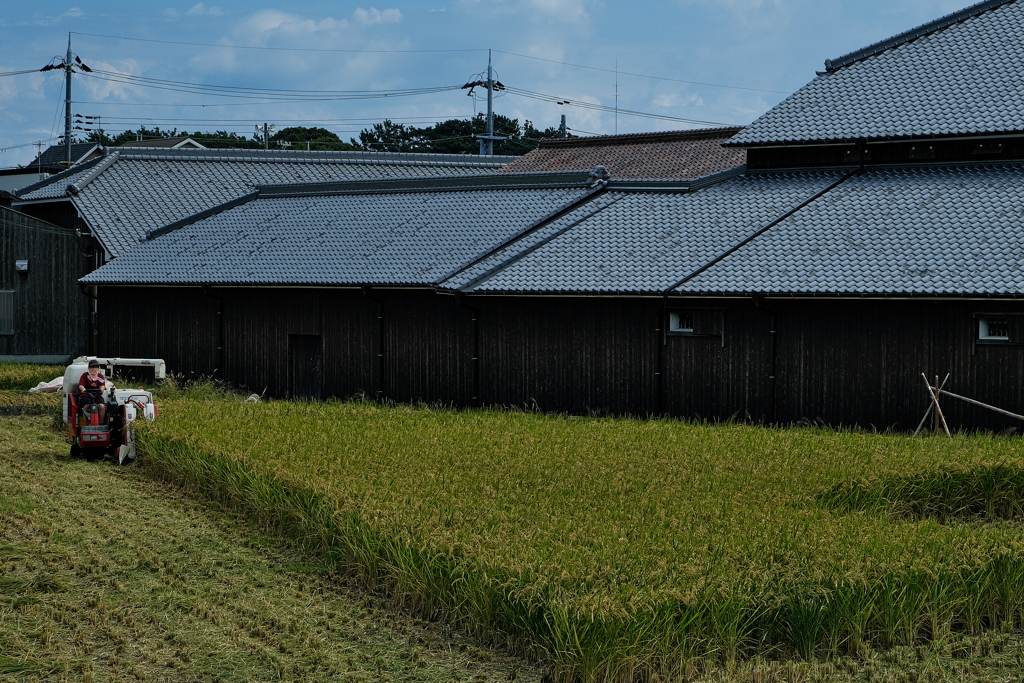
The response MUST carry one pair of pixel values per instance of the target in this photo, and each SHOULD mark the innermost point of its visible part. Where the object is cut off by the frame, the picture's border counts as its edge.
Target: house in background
(52, 160)
(179, 142)
(676, 155)
(874, 235)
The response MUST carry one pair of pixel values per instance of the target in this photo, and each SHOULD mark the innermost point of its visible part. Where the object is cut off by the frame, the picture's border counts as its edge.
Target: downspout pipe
(460, 299)
(207, 290)
(381, 392)
(89, 291)
(773, 356)
(661, 334)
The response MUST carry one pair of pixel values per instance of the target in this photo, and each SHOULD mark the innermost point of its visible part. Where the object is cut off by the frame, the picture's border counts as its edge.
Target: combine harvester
(100, 423)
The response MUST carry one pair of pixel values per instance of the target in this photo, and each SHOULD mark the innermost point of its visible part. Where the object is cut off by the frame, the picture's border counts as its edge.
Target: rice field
(621, 550)
(23, 376)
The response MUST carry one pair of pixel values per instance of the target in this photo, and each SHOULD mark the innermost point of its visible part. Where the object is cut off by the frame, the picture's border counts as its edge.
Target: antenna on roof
(267, 130)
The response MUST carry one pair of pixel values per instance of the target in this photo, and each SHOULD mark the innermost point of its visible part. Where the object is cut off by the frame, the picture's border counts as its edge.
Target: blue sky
(680, 61)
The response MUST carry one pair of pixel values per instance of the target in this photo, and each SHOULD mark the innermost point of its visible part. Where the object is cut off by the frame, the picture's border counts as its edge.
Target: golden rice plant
(24, 376)
(620, 549)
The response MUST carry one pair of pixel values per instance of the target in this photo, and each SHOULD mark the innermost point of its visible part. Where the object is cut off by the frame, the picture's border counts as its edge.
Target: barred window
(697, 322)
(6, 312)
(994, 328)
(681, 322)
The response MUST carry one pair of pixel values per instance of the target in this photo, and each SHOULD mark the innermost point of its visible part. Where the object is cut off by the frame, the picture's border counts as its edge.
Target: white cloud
(265, 24)
(676, 100)
(100, 90)
(375, 16)
(565, 9)
(200, 9)
(73, 13)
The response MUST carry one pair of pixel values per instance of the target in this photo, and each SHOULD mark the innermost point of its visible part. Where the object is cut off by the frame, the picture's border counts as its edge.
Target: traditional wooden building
(38, 276)
(874, 235)
(110, 200)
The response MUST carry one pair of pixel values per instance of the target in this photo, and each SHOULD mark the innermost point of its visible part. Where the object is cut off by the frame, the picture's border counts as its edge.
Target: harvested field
(107, 575)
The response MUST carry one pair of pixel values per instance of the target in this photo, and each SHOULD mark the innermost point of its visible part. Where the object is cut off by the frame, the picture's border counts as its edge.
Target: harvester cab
(100, 420)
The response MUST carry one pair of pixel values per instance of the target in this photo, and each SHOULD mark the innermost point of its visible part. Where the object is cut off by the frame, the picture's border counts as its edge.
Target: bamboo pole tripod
(935, 410)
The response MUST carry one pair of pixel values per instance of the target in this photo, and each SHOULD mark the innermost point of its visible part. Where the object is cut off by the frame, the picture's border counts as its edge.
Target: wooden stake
(983, 405)
(934, 393)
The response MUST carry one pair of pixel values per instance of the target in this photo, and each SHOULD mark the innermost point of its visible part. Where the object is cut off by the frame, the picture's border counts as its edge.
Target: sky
(617, 66)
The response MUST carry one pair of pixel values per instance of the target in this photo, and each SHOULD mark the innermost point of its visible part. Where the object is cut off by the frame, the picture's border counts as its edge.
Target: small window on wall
(994, 328)
(680, 322)
(6, 312)
(697, 322)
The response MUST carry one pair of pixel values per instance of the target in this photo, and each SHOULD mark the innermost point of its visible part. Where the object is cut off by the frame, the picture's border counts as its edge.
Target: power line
(261, 95)
(19, 73)
(600, 107)
(627, 73)
(464, 50)
(282, 49)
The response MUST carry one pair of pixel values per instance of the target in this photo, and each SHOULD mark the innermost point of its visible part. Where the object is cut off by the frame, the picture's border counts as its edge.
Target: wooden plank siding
(837, 361)
(51, 314)
(575, 355)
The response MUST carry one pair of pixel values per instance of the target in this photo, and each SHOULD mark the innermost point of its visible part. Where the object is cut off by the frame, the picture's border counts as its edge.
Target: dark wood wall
(52, 315)
(831, 361)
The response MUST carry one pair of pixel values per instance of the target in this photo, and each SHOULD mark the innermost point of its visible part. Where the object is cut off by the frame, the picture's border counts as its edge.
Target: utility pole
(67, 105)
(487, 140)
(267, 130)
(490, 105)
(562, 130)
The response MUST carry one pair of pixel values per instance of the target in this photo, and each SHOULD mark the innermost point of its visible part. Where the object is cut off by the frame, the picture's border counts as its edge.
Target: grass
(621, 549)
(108, 575)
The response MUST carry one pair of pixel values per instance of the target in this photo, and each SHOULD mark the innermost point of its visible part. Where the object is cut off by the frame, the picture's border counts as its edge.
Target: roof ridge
(308, 156)
(912, 34)
(101, 165)
(206, 213)
(634, 138)
(56, 177)
(539, 180)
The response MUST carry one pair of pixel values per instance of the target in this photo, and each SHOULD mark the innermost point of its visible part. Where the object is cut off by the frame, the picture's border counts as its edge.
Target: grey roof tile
(398, 238)
(932, 231)
(145, 189)
(641, 241)
(959, 75)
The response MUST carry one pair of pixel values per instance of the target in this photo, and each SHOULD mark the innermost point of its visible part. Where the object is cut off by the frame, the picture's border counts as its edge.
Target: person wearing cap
(91, 386)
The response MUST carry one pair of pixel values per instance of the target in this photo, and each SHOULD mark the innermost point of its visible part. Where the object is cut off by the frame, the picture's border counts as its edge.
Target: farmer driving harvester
(90, 390)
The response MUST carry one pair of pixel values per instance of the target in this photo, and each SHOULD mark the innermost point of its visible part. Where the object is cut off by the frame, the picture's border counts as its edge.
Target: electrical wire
(464, 50)
(627, 73)
(282, 49)
(605, 108)
(263, 96)
(19, 73)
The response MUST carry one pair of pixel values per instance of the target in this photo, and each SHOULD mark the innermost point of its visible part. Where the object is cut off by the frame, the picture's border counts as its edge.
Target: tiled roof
(164, 142)
(642, 241)
(137, 189)
(56, 155)
(931, 230)
(671, 155)
(958, 75)
(297, 236)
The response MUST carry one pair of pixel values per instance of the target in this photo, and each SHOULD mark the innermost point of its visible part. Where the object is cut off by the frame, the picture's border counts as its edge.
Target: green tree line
(454, 136)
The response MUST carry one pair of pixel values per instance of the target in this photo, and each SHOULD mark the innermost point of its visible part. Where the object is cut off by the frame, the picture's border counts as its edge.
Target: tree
(222, 139)
(309, 138)
(454, 136)
(388, 136)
